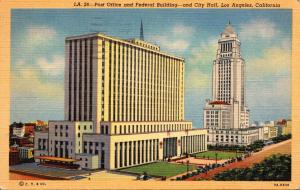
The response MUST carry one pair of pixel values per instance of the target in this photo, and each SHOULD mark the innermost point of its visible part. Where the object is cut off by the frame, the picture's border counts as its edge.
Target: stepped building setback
(226, 116)
(124, 105)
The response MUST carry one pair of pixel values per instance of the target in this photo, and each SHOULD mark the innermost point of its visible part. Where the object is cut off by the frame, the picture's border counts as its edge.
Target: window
(78, 135)
(55, 126)
(61, 127)
(67, 134)
(85, 127)
(91, 127)
(56, 134)
(84, 147)
(78, 127)
(67, 127)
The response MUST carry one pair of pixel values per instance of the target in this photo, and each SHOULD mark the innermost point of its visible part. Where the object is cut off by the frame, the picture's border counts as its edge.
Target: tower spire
(141, 31)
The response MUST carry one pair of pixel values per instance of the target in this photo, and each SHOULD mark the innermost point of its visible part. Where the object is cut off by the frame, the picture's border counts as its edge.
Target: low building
(288, 128)
(29, 128)
(25, 153)
(19, 131)
(88, 161)
(241, 137)
(270, 130)
(21, 141)
(218, 120)
(14, 155)
(283, 127)
(119, 144)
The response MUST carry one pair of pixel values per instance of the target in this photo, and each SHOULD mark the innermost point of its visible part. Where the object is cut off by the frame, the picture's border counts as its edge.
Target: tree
(274, 168)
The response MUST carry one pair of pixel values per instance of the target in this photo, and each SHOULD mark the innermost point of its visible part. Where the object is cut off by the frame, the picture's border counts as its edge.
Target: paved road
(283, 147)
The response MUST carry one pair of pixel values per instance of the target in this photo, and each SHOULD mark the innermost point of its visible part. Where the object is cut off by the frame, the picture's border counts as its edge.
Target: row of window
(129, 129)
(61, 134)
(135, 57)
(67, 127)
(136, 152)
(212, 112)
(226, 54)
(92, 147)
(75, 78)
(191, 144)
(61, 127)
(42, 144)
(226, 47)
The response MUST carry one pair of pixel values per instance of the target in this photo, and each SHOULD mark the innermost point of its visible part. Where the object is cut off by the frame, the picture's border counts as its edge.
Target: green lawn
(221, 154)
(160, 169)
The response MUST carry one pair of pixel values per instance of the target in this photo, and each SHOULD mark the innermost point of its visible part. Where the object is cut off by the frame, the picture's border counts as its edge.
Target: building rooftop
(132, 42)
(229, 31)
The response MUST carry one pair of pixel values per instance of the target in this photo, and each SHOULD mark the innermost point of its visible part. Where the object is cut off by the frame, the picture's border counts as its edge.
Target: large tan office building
(109, 79)
(133, 94)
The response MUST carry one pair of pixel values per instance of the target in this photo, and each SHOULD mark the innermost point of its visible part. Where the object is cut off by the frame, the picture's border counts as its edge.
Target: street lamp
(216, 157)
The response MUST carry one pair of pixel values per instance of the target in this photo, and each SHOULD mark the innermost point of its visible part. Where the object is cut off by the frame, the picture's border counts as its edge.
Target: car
(143, 177)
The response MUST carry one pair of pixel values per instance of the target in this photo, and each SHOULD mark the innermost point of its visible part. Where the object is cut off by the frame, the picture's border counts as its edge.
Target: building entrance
(169, 147)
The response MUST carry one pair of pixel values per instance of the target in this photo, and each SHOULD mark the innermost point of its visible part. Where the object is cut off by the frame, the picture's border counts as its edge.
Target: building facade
(25, 153)
(227, 111)
(19, 131)
(132, 96)
(283, 127)
(109, 79)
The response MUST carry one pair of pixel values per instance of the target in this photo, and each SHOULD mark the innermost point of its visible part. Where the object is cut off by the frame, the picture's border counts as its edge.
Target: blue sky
(37, 57)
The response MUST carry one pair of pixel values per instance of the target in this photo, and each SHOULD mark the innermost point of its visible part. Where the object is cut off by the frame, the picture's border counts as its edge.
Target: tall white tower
(227, 109)
(229, 69)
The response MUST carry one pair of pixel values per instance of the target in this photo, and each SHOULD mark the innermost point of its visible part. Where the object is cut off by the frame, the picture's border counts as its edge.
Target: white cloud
(180, 29)
(39, 78)
(36, 35)
(177, 38)
(258, 28)
(269, 95)
(28, 83)
(53, 67)
(177, 45)
(274, 62)
(199, 65)
(204, 52)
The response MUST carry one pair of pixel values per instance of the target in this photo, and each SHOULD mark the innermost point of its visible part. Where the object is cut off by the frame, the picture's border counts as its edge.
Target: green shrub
(274, 168)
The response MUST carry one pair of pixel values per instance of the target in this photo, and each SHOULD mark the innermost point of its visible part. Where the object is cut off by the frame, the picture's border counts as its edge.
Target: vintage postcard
(150, 94)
